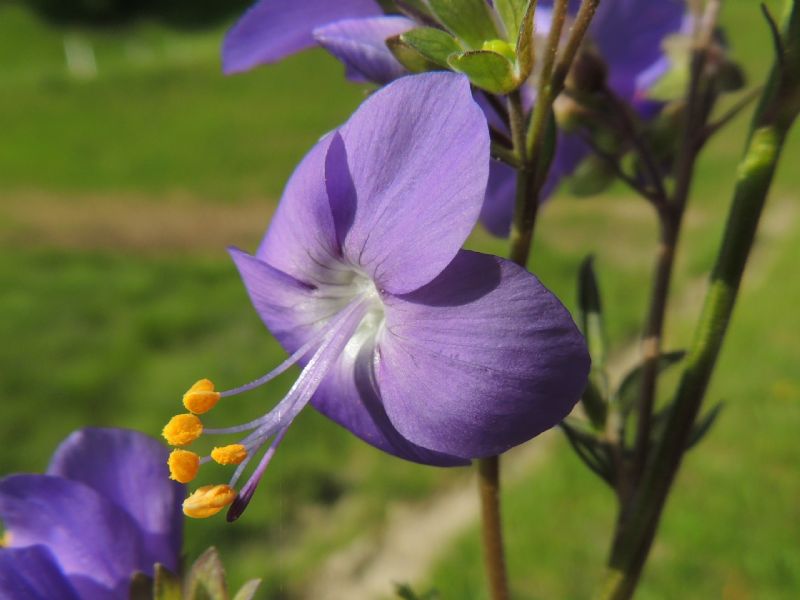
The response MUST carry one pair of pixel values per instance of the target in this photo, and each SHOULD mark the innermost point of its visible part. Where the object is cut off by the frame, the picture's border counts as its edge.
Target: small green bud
(500, 47)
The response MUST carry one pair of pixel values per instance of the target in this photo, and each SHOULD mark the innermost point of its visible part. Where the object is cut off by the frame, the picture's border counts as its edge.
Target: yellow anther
(201, 397)
(229, 455)
(182, 430)
(183, 465)
(208, 501)
(5, 539)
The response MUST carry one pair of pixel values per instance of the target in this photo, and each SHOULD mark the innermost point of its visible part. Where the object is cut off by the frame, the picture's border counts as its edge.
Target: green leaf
(248, 590)
(406, 592)
(434, 44)
(629, 389)
(592, 176)
(409, 57)
(595, 404)
(167, 585)
(526, 41)
(469, 20)
(206, 580)
(512, 13)
(590, 306)
(594, 452)
(487, 70)
(704, 425)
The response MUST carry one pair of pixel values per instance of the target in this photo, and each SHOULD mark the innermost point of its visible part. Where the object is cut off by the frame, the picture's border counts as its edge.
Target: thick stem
(492, 528)
(777, 112)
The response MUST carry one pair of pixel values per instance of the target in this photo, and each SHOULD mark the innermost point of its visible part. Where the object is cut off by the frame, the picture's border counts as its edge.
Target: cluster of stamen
(186, 428)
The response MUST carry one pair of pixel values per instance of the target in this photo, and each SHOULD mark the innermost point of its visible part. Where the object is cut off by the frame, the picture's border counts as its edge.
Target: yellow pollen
(201, 397)
(229, 455)
(208, 501)
(5, 540)
(183, 465)
(182, 430)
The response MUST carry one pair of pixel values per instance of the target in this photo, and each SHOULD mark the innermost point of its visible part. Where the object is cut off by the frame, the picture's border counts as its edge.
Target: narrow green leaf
(167, 585)
(206, 579)
(592, 451)
(629, 389)
(704, 425)
(248, 590)
(590, 306)
(409, 57)
(512, 13)
(526, 42)
(469, 20)
(434, 44)
(487, 70)
(595, 404)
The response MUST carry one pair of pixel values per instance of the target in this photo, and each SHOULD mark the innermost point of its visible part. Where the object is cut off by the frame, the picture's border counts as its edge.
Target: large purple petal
(286, 305)
(95, 542)
(482, 358)
(349, 397)
(630, 35)
(418, 156)
(129, 469)
(273, 29)
(301, 240)
(32, 574)
(361, 45)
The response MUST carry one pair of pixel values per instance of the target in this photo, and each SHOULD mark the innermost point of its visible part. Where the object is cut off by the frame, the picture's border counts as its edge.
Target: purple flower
(424, 350)
(628, 33)
(103, 512)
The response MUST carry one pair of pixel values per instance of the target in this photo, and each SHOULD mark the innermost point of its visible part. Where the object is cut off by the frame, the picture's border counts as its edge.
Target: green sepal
(409, 57)
(512, 13)
(594, 452)
(526, 42)
(469, 20)
(248, 590)
(433, 44)
(141, 587)
(591, 177)
(487, 70)
(166, 585)
(206, 579)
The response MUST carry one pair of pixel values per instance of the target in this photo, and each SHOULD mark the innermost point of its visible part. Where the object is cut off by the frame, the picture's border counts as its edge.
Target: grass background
(118, 194)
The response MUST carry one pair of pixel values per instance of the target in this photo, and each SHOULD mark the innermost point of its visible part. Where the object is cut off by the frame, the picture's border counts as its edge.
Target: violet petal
(418, 157)
(273, 29)
(361, 45)
(481, 359)
(31, 573)
(96, 543)
(129, 469)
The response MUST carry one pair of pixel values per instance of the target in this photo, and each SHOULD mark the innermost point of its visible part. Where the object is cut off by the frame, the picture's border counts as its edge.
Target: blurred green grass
(94, 333)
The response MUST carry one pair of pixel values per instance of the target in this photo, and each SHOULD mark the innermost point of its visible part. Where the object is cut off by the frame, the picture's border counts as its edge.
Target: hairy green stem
(777, 112)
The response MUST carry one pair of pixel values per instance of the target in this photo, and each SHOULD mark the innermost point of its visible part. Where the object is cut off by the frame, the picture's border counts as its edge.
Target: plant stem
(671, 219)
(777, 112)
(492, 528)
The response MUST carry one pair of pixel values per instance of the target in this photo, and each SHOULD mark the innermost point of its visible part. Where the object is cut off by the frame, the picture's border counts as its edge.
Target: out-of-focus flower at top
(424, 350)
(629, 35)
(103, 512)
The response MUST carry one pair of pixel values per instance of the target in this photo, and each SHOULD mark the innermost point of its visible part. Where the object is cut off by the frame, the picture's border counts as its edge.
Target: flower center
(357, 317)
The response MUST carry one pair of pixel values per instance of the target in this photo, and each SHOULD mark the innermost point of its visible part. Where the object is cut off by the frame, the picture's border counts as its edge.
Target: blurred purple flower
(104, 511)
(426, 351)
(628, 33)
